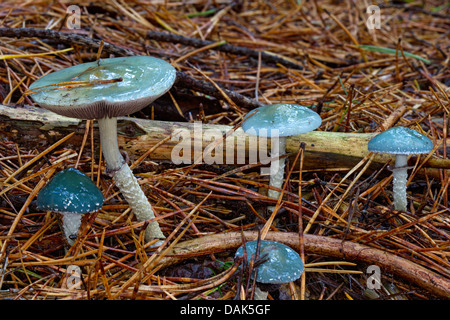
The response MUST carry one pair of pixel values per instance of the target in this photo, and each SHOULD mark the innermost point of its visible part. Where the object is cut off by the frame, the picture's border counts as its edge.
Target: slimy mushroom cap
(283, 264)
(118, 86)
(70, 191)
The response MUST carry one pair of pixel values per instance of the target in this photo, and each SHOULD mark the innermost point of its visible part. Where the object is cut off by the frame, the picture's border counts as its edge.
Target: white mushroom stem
(124, 178)
(400, 177)
(277, 169)
(71, 224)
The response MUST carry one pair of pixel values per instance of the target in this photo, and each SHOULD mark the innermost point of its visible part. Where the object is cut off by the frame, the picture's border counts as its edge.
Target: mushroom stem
(71, 225)
(400, 177)
(110, 146)
(124, 178)
(277, 169)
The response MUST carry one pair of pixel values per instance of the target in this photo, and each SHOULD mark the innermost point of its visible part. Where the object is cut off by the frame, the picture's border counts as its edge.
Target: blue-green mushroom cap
(400, 140)
(283, 264)
(281, 119)
(134, 82)
(70, 191)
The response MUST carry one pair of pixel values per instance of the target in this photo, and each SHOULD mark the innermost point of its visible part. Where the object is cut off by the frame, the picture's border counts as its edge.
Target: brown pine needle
(71, 85)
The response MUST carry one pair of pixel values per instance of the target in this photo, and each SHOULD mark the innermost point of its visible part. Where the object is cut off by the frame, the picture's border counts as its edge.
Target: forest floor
(361, 72)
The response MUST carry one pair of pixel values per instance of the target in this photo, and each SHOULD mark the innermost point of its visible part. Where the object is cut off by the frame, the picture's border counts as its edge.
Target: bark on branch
(227, 48)
(313, 244)
(324, 150)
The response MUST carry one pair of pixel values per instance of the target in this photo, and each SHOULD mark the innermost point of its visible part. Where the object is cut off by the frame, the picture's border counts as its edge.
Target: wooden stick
(351, 251)
(323, 151)
(225, 47)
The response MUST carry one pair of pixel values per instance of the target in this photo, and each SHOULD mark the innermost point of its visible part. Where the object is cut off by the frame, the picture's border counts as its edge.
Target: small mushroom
(280, 120)
(110, 88)
(72, 194)
(283, 264)
(401, 142)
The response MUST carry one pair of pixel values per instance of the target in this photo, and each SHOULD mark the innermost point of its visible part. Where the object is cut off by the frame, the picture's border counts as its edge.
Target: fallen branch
(67, 38)
(351, 251)
(324, 150)
(227, 48)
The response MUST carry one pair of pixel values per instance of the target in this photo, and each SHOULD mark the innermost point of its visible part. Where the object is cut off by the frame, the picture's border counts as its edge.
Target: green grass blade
(392, 51)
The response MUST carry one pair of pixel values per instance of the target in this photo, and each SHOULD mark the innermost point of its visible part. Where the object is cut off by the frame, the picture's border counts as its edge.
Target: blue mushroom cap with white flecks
(400, 140)
(70, 191)
(281, 119)
(283, 264)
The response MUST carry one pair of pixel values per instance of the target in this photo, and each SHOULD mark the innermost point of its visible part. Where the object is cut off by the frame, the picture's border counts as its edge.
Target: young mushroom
(401, 142)
(105, 90)
(72, 194)
(280, 120)
(283, 264)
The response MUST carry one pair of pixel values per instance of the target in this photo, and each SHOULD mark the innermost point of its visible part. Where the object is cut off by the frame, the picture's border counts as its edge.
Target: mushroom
(72, 194)
(283, 264)
(104, 90)
(401, 142)
(280, 120)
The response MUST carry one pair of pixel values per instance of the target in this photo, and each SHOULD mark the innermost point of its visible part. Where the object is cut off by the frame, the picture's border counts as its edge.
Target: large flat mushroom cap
(400, 140)
(281, 120)
(138, 80)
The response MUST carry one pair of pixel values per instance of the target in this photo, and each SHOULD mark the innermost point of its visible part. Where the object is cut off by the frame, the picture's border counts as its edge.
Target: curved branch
(227, 48)
(67, 38)
(388, 262)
